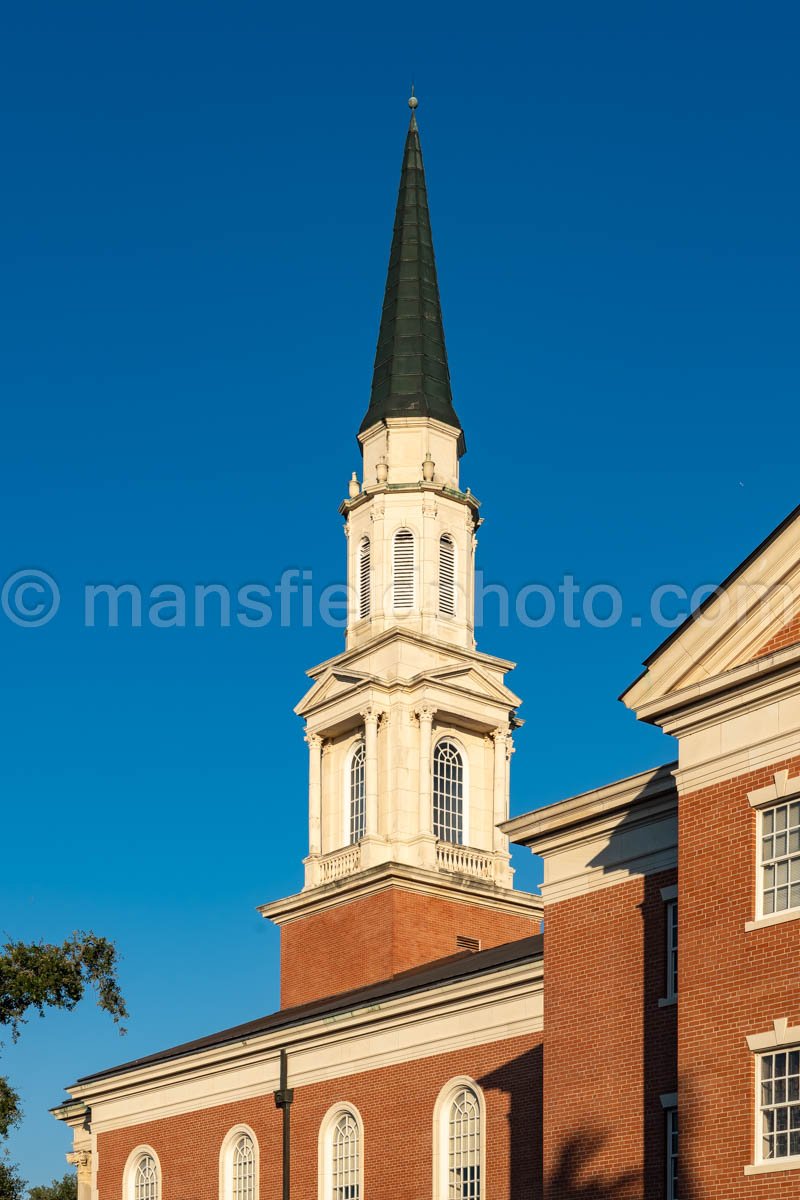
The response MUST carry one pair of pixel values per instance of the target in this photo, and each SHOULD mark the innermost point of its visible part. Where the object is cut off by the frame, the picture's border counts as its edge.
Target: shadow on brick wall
(521, 1081)
(573, 1177)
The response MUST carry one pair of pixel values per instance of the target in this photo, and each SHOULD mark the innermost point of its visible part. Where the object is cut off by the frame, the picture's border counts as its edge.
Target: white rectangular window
(671, 1115)
(779, 1104)
(780, 858)
(671, 908)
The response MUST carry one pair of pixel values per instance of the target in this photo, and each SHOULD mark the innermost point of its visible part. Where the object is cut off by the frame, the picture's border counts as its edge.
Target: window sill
(774, 919)
(769, 1168)
(667, 1001)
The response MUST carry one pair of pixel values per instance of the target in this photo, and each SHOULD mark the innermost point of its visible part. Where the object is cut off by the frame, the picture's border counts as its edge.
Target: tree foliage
(35, 976)
(65, 1188)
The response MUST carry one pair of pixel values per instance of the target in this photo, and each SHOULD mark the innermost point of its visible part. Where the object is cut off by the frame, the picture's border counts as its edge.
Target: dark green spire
(411, 377)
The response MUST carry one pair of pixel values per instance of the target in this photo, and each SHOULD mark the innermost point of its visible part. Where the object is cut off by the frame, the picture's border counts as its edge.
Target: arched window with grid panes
(357, 794)
(447, 575)
(142, 1175)
(459, 1142)
(341, 1167)
(403, 568)
(448, 792)
(238, 1165)
(364, 583)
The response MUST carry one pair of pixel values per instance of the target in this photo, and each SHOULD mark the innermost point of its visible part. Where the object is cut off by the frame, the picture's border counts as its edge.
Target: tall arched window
(447, 575)
(238, 1165)
(145, 1178)
(243, 1164)
(459, 1142)
(341, 1167)
(403, 569)
(448, 792)
(364, 578)
(141, 1178)
(357, 814)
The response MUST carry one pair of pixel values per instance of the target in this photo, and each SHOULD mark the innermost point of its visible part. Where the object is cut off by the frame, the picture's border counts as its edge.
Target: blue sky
(194, 228)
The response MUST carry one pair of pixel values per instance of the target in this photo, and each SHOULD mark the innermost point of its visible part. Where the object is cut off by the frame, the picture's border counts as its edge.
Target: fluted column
(371, 716)
(314, 794)
(425, 716)
(500, 805)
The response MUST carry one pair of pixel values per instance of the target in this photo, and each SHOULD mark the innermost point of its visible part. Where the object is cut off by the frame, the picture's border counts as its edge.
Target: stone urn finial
(354, 487)
(428, 468)
(382, 472)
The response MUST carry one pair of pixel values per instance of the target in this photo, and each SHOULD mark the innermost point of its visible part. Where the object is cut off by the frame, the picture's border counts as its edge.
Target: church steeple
(411, 377)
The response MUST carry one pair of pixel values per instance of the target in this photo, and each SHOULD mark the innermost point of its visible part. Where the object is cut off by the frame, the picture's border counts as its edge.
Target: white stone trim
(721, 768)
(781, 788)
(325, 1148)
(225, 1161)
(790, 914)
(782, 1034)
(492, 1007)
(441, 1130)
(771, 1168)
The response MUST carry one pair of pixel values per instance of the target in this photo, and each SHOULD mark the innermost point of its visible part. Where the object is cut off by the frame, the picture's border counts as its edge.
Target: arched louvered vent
(364, 579)
(447, 576)
(403, 569)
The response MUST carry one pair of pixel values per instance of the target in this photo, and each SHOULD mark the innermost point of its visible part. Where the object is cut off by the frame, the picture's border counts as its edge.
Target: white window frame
(129, 1172)
(782, 1037)
(441, 1135)
(226, 1161)
(346, 797)
(447, 536)
(782, 790)
(404, 608)
(325, 1148)
(444, 736)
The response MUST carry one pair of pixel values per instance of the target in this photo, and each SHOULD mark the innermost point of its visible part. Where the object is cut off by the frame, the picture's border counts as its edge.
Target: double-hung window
(779, 1104)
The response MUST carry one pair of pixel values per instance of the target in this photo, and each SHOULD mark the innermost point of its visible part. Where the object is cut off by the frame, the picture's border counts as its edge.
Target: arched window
(145, 1179)
(357, 813)
(340, 1146)
(447, 575)
(238, 1165)
(142, 1175)
(403, 569)
(364, 578)
(459, 1142)
(448, 792)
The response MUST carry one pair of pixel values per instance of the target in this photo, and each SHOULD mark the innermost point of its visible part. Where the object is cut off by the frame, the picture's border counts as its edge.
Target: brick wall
(609, 1050)
(783, 638)
(732, 984)
(373, 938)
(396, 1104)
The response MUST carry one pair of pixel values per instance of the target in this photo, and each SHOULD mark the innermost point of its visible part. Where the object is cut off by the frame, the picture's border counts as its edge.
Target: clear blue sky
(194, 227)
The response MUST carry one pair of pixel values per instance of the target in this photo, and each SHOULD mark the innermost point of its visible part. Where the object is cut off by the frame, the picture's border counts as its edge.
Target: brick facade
(396, 930)
(610, 1050)
(396, 1105)
(733, 984)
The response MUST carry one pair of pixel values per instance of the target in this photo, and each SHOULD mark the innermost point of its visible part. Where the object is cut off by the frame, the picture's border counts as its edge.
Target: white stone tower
(409, 729)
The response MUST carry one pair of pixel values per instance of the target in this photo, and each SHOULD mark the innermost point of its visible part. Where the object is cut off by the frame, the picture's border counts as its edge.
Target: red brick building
(432, 1041)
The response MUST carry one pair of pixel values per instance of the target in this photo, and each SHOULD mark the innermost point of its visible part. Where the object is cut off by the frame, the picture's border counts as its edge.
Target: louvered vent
(364, 581)
(447, 576)
(467, 943)
(403, 569)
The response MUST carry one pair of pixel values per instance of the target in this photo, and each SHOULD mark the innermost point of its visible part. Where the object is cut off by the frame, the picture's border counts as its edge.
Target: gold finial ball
(412, 102)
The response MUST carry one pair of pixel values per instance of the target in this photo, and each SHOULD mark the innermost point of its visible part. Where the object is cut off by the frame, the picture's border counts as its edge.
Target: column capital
(313, 740)
(82, 1160)
(371, 714)
(425, 712)
(501, 734)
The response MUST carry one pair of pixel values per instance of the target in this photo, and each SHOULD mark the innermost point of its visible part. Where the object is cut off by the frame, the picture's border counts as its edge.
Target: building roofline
(420, 979)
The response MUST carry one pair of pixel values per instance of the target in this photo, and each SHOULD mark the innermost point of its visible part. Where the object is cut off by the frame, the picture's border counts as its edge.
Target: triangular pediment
(753, 613)
(468, 678)
(330, 685)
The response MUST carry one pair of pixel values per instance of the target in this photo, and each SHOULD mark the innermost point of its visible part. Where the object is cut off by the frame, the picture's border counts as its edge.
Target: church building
(443, 1035)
